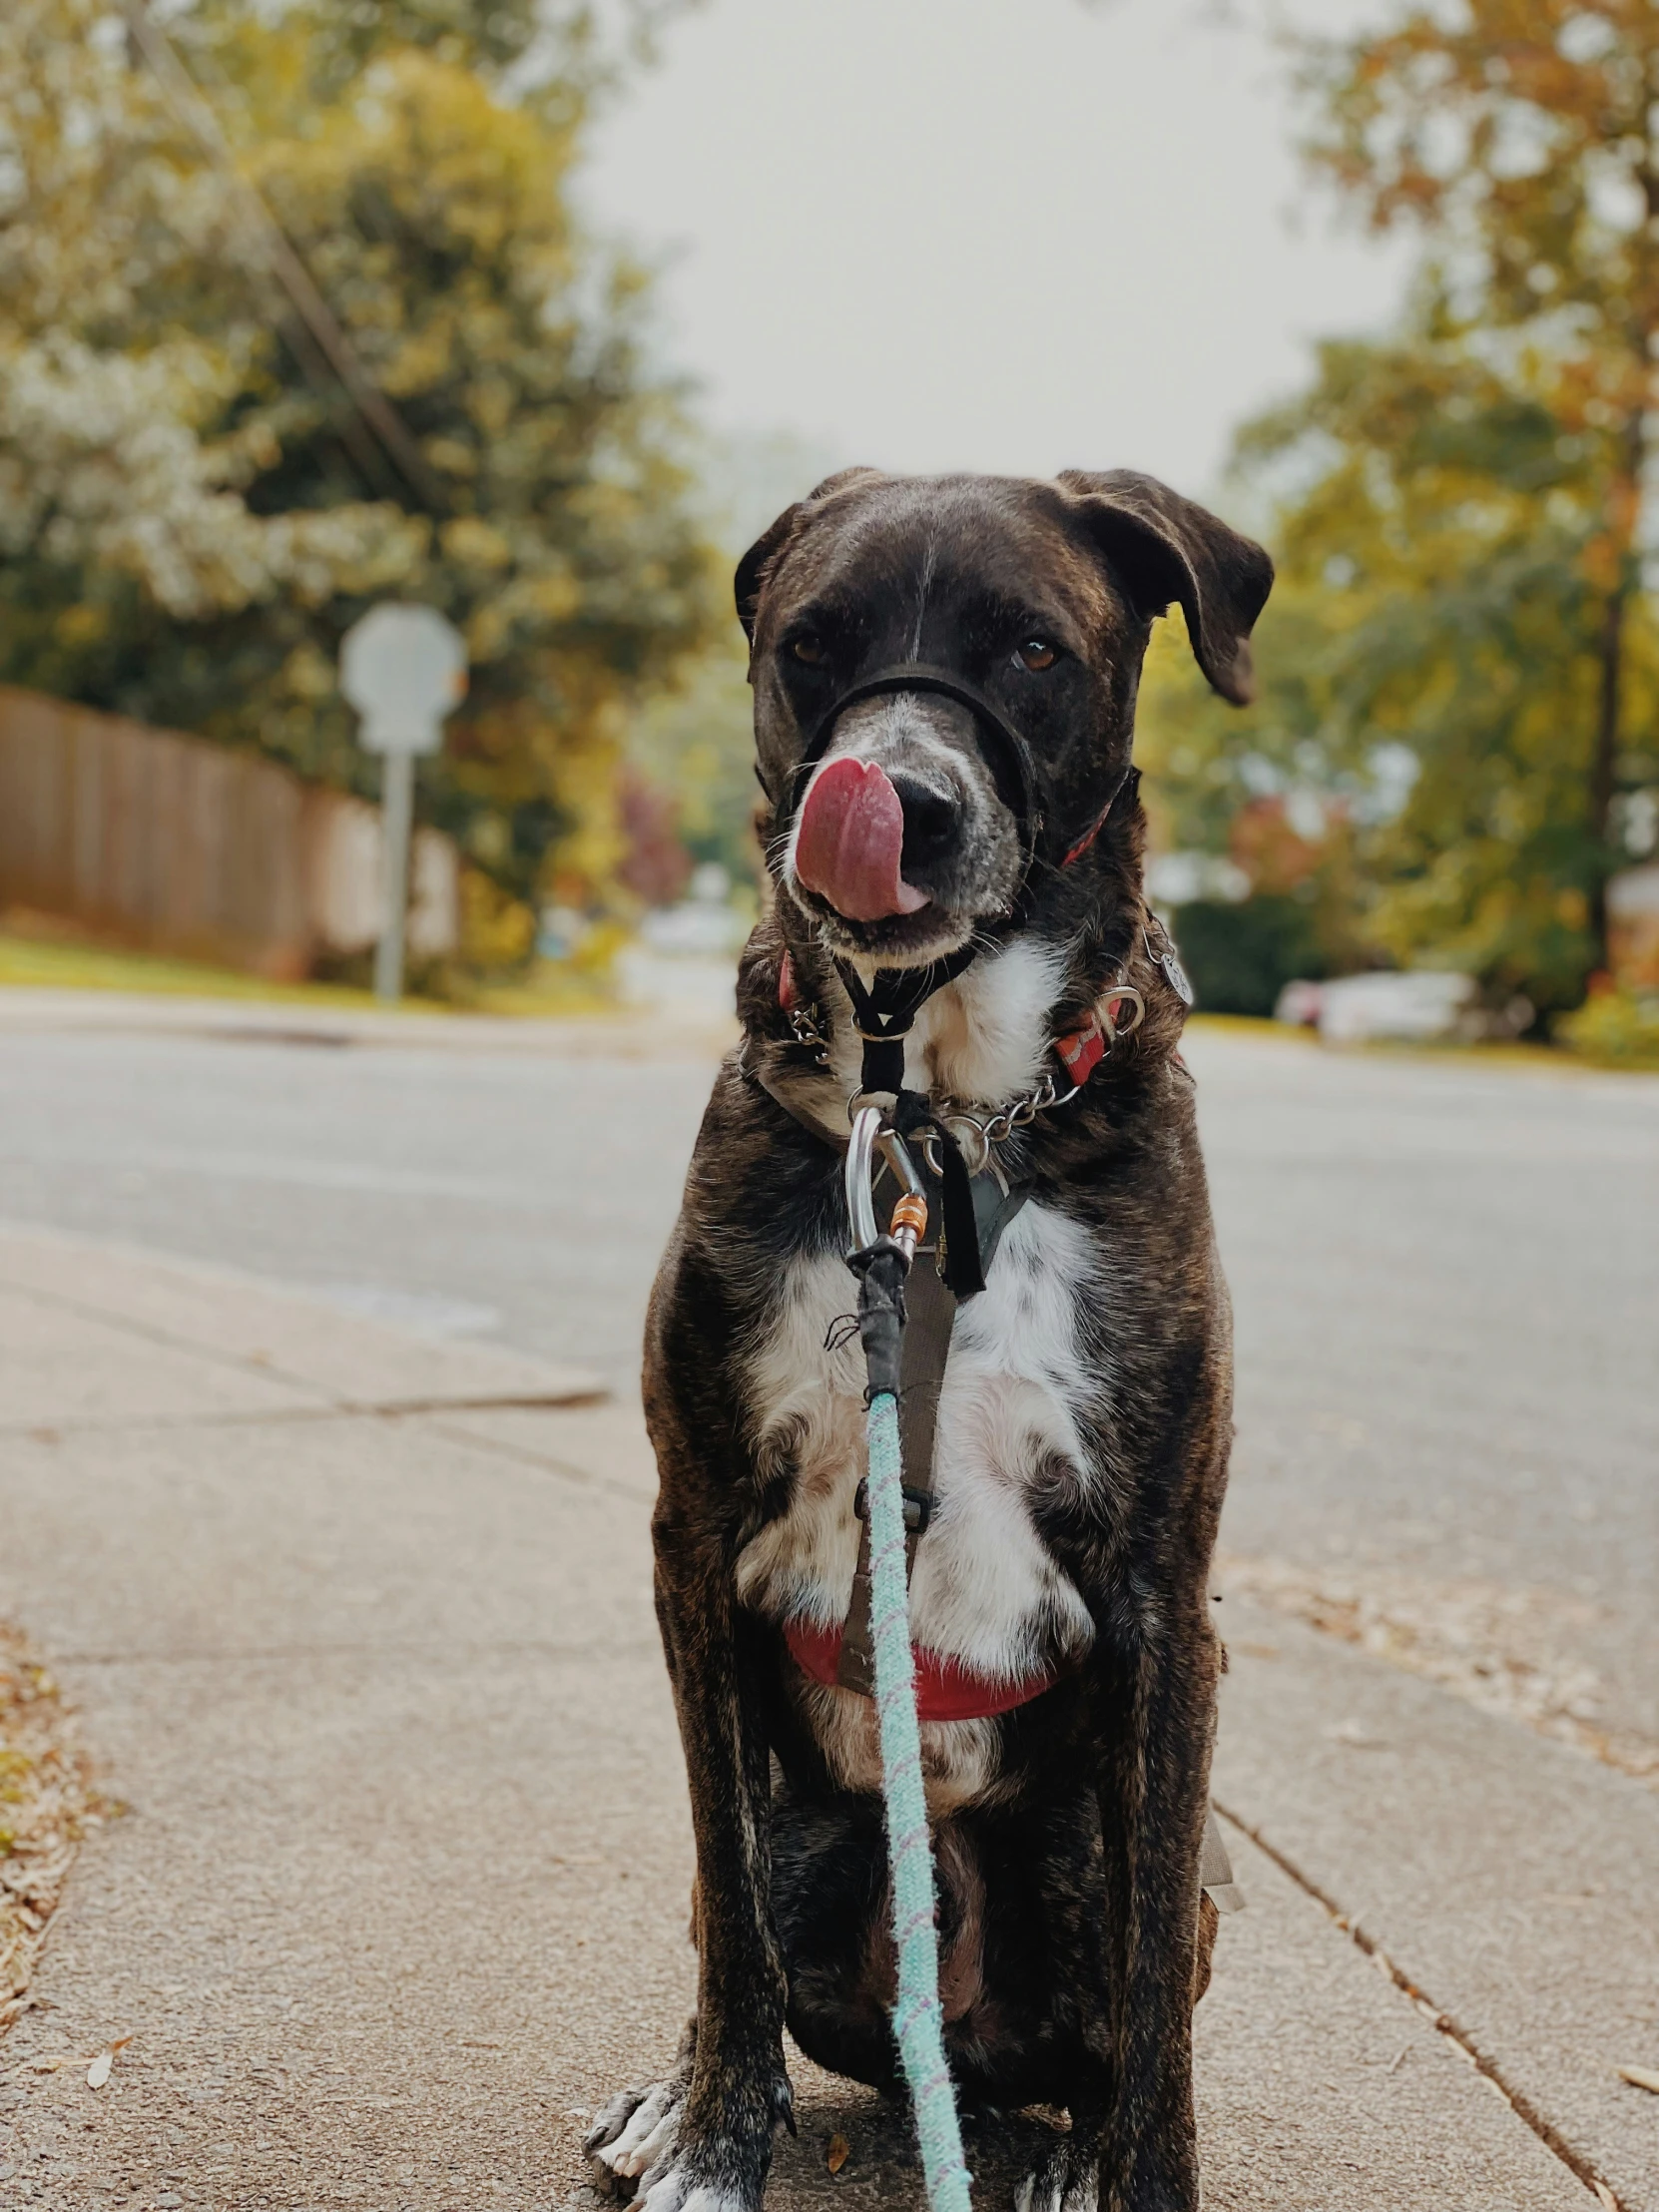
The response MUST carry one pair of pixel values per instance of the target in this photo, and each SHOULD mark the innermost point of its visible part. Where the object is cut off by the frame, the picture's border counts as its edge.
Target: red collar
(1082, 1050)
(946, 1690)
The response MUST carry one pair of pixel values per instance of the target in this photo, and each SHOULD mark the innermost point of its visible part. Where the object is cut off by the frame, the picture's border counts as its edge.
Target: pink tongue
(850, 843)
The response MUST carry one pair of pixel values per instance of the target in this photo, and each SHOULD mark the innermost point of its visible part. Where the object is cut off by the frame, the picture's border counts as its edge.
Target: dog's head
(911, 829)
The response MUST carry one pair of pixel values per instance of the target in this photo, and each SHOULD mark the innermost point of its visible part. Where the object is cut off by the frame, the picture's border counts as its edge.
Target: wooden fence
(179, 845)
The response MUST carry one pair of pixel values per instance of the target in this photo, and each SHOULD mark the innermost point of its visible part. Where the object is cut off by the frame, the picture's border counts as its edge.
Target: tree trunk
(1604, 762)
(1625, 518)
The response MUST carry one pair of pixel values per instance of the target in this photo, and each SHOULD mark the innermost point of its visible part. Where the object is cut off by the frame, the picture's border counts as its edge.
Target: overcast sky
(1005, 234)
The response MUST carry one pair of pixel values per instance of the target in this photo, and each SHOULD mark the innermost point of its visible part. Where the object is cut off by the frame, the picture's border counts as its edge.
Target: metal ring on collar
(859, 1100)
(972, 1139)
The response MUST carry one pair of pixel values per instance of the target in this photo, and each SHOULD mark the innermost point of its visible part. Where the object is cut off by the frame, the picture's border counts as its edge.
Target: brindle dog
(1085, 1417)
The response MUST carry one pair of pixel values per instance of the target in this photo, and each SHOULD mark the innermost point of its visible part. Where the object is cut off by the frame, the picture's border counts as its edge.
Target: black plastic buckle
(919, 1508)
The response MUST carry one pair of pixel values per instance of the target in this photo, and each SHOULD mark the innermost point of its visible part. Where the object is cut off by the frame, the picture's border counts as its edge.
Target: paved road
(519, 1194)
(1446, 1277)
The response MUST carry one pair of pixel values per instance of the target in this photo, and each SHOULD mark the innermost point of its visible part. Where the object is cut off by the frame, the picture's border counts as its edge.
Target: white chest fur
(984, 1591)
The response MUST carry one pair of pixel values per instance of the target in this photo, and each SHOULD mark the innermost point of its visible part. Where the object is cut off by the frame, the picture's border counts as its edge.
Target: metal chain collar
(803, 1021)
(977, 1134)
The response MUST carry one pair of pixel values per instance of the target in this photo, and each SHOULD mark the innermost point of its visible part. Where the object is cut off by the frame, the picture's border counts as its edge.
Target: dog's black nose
(932, 820)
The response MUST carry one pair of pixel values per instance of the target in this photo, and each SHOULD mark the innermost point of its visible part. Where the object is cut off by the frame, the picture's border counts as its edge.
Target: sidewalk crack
(1579, 2166)
(321, 1396)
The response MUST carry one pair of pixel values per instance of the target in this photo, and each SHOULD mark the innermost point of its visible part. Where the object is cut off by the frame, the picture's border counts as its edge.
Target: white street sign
(404, 669)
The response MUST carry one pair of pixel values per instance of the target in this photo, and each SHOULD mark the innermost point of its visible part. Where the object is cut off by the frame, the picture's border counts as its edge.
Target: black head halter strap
(1015, 756)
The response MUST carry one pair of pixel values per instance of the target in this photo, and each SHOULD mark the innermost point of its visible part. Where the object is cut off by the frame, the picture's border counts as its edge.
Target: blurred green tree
(1462, 648)
(194, 511)
(697, 742)
(1434, 661)
(1521, 138)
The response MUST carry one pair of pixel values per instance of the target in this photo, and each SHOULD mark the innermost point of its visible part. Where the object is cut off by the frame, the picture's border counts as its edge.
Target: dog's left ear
(750, 577)
(1163, 547)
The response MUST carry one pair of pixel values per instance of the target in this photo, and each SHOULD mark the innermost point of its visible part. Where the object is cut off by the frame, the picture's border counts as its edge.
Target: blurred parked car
(1425, 1006)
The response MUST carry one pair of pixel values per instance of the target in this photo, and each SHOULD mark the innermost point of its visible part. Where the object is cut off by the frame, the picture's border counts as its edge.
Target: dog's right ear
(1164, 547)
(755, 563)
(750, 577)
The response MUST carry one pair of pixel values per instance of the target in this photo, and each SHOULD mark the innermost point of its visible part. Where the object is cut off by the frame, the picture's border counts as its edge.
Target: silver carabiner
(860, 1175)
(892, 1147)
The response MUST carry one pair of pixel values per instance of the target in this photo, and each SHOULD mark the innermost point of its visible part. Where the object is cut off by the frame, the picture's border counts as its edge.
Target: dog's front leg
(701, 2141)
(1154, 1797)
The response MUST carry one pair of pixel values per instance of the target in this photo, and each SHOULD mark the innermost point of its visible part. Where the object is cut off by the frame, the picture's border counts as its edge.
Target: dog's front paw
(694, 2183)
(641, 2138)
(636, 2130)
(1068, 2180)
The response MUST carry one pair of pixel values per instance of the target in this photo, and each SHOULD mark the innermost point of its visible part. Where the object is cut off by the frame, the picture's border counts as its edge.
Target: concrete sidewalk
(360, 1627)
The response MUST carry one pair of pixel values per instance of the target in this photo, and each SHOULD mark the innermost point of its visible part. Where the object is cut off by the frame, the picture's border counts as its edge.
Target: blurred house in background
(1633, 928)
(174, 845)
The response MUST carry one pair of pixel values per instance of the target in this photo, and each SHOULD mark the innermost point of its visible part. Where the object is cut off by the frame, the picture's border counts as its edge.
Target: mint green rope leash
(917, 2019)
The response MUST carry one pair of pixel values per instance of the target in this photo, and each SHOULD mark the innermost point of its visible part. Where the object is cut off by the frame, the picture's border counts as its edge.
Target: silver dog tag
(1170, 961)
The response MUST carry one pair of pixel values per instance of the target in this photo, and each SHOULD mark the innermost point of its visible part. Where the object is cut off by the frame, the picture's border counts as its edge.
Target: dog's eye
(808, 648)
(1036, 654)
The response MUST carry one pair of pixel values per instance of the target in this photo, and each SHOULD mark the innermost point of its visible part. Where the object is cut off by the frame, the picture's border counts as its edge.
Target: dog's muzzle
(851, 845)
(1016, 768)
(859, 834)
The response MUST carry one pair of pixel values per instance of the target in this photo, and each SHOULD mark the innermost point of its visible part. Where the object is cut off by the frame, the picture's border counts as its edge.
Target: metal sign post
(404, 669)
(396, 821)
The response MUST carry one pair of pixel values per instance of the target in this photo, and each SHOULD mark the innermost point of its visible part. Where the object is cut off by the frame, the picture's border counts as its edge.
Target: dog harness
(843, 1655)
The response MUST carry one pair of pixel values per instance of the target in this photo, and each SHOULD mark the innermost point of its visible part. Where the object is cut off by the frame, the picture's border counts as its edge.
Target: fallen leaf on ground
(1354, 1734)
(48, 1805)
(1518, 1651)
(1640, 2077)
(99, 2071)
(839, 2151)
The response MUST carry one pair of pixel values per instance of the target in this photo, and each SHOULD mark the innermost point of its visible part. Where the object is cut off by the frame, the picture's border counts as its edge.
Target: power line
(321, 336)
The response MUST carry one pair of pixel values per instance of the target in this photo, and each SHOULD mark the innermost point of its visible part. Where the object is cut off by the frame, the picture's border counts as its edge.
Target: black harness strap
(885, 1014)
(930, 1316)
(961, 1260)
(929, 1319)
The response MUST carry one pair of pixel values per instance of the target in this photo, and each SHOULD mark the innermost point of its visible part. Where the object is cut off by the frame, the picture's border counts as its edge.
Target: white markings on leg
(648, 2133)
